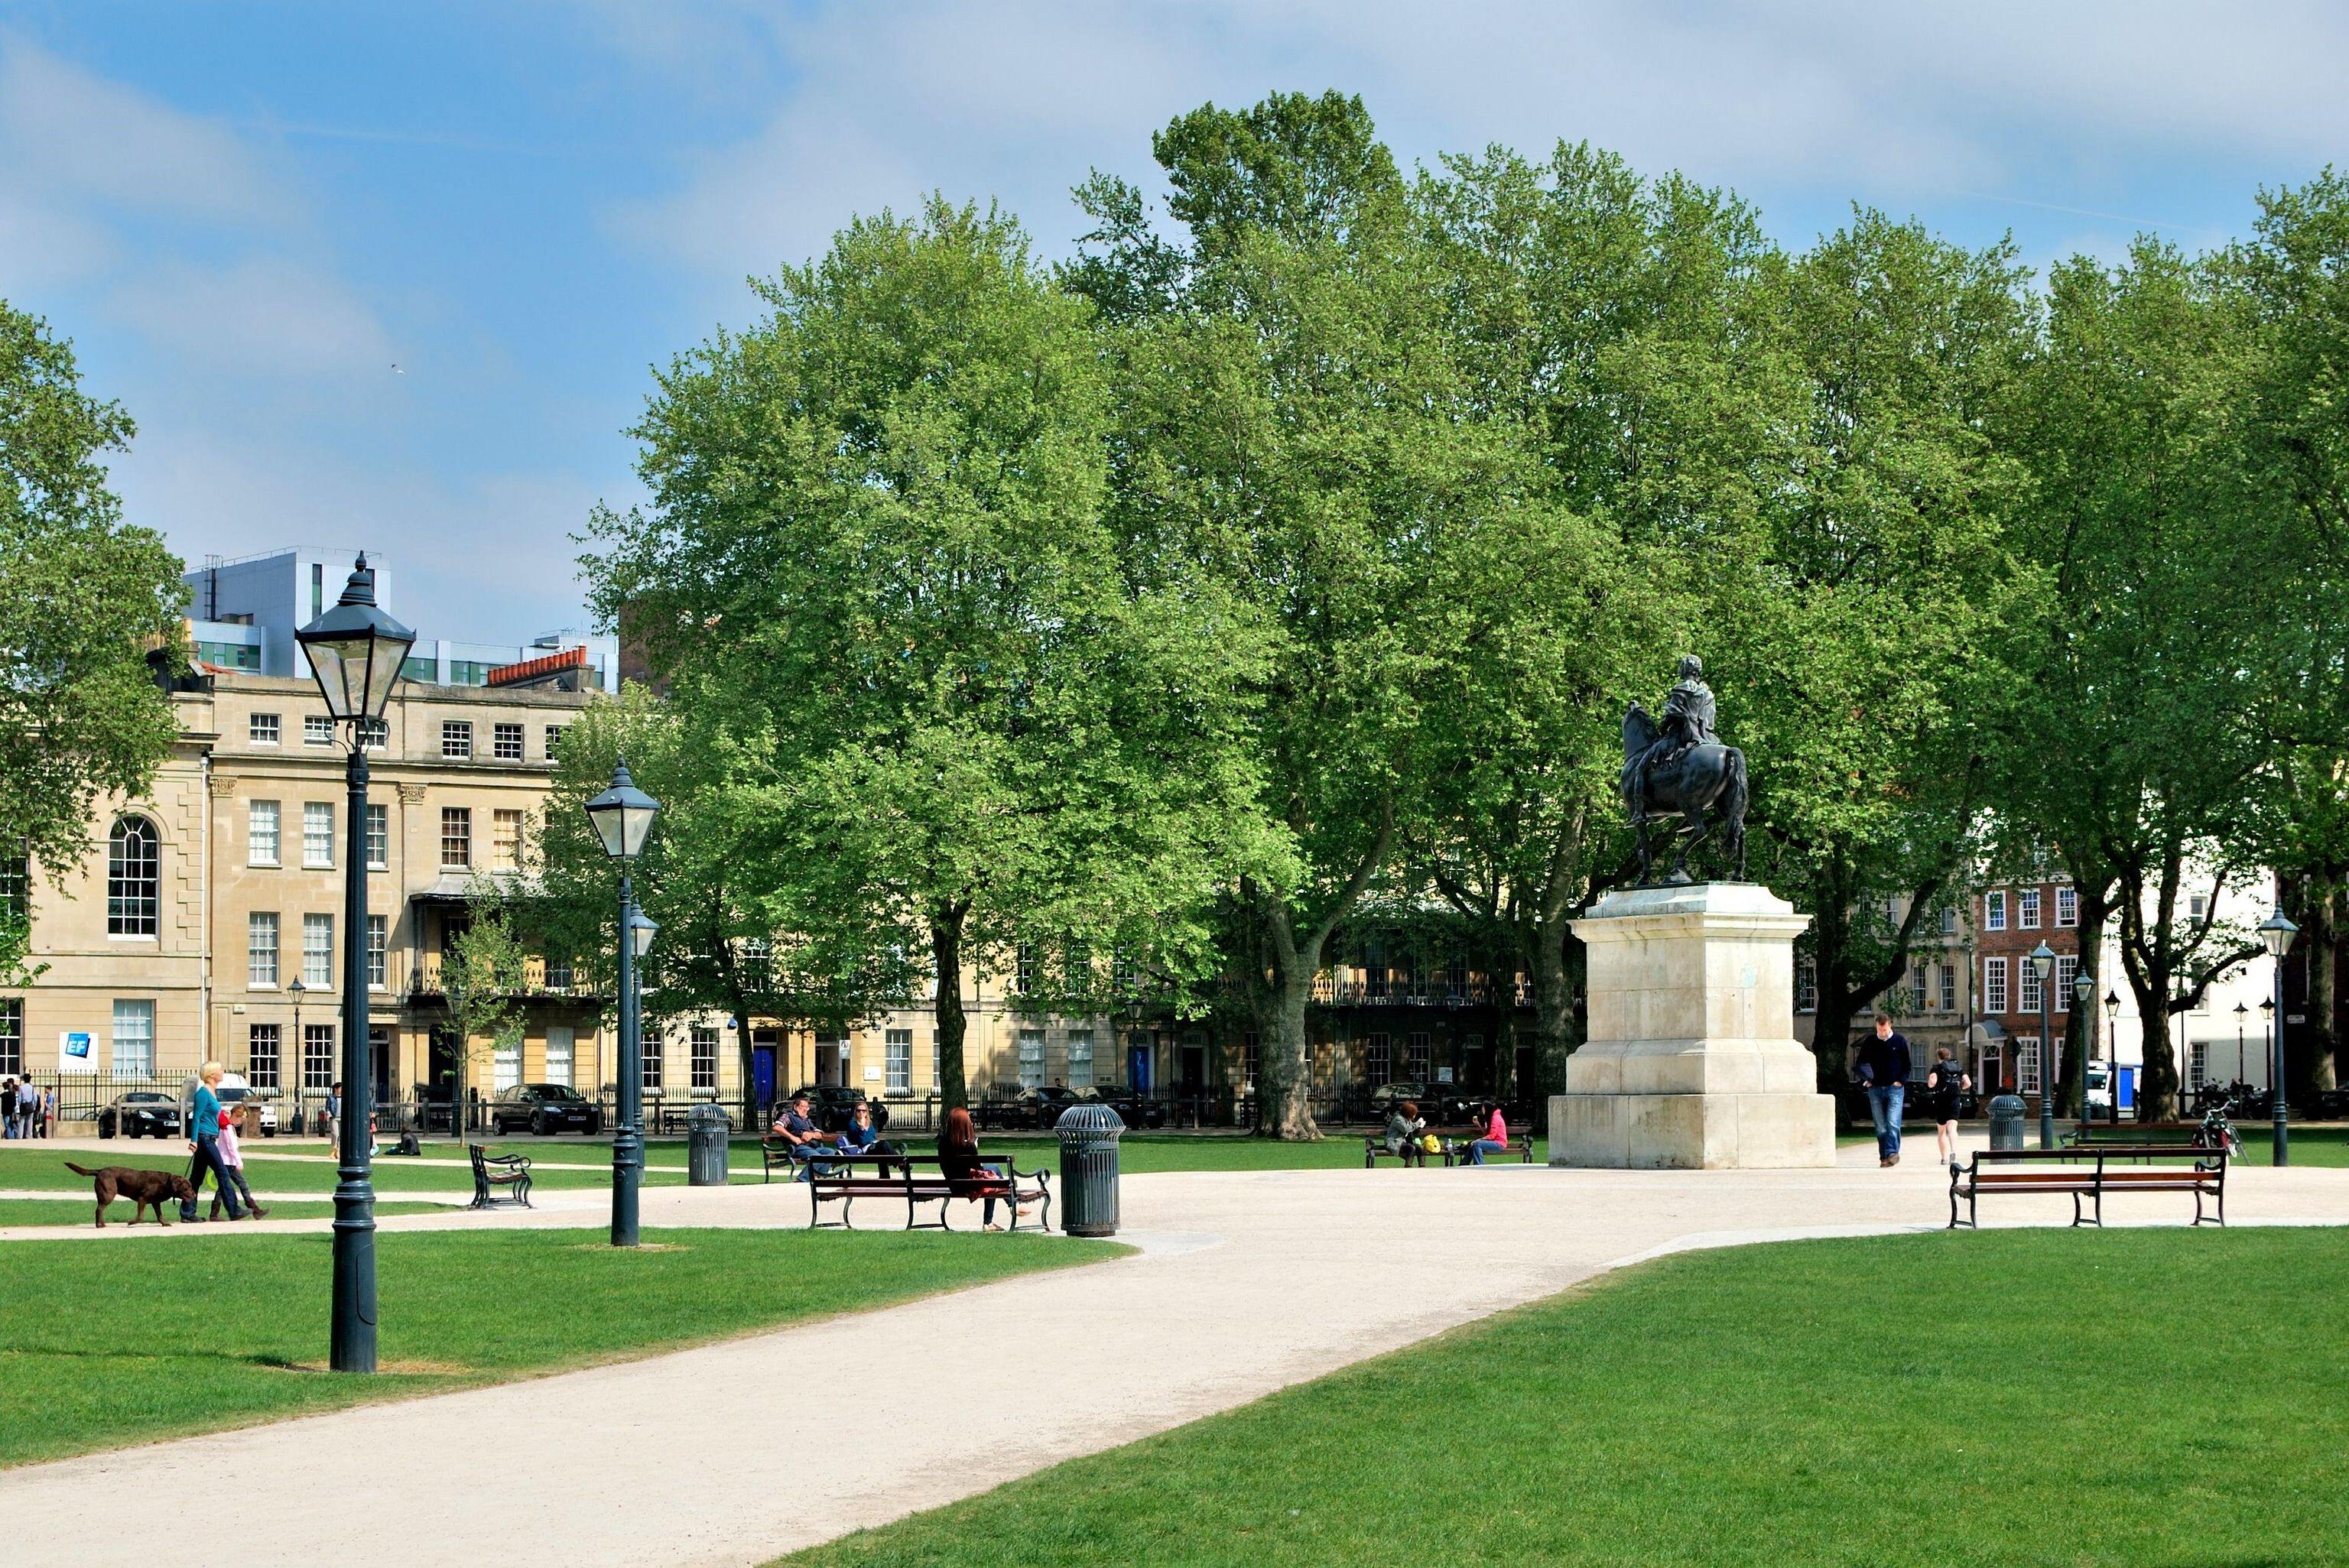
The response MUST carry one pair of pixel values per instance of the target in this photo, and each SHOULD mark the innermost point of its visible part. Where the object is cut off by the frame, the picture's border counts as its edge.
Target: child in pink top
(235, 1161)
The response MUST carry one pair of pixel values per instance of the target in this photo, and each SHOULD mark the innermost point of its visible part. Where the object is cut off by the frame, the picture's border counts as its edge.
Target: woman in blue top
(203, 1143)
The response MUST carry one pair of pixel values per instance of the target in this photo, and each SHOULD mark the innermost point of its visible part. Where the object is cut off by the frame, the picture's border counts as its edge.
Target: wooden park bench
(836, 1179)
(499, 1179)
(1374, 1148)
(2089, 1172)
(1521, 1149)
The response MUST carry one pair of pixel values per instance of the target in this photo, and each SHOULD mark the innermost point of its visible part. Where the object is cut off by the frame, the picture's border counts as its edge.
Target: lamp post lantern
(623, 816)
(2275, 934)
(2242, 1013)
(2113, 1048)
(355, 652)
(2042, 960)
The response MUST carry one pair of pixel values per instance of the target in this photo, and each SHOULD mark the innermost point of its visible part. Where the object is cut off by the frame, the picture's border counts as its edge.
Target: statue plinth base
(1691, 1063)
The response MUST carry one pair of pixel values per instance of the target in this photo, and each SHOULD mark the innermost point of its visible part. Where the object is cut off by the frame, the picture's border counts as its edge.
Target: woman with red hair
(965, 1171)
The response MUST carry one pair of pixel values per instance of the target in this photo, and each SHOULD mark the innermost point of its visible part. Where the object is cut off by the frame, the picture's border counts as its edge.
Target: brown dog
(145, 1189)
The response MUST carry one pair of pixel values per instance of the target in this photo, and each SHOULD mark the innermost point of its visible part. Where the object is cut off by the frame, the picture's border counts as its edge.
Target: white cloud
(260, 316)
(1902, 104)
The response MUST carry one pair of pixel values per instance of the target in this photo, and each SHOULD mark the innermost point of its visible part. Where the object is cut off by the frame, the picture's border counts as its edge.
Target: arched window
(134, 878)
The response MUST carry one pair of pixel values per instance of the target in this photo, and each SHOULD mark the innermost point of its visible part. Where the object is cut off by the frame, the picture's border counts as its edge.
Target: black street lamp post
(2083, 1006)
(623, 816)
(2242, 1013)
(2113, 1048)
(2276, 934)
(354, 652)
(295, 989)
(2042, 960)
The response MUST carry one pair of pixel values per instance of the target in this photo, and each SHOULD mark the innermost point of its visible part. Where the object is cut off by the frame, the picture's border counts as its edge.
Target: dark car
(141, 1113)
(1007, 1108)
(1439, 1104)
(830, 1106)
(1130, 1107)
(543, 1108)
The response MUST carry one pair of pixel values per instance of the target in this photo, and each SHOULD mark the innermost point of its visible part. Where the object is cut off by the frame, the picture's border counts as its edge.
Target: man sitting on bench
(795, 1127)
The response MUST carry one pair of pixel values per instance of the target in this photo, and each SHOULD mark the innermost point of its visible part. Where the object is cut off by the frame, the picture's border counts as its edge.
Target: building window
(134, 1040)
(456, 741)
(1914, 1002)
(317, 1056)
(705, 1059)
(1993, 986)
(317, 729)
(1031, 1058)
(2197, 1068)
(506, 840)
(900, 1063)
(936, 1075)
(1806, 986)
(378, 942)
(16, 890)
(318, 951)
(456, 837)
(2026, 975)
(261, 833)
(554, 739)
(229, 656)
(2027, 914)
(505, 742)
(505, 1064)
(375, 734)
(261, 1048)
(2067, 907)
(1415, 1063)
(1948, 988)
(1948, 921)
(2026, 1065)
(468, 672)
(559, 1053)
(378, 838)
(1024, 970)
(319, 834)
(261, 728)
(423, 667)
(1081, 1059)
(134, 879)
(12, 1034)
(2067, 969)
(2196, 906)
(260, 948)
(1994, 911)
(655, 1065)
(1378, 1059)
(558, 972)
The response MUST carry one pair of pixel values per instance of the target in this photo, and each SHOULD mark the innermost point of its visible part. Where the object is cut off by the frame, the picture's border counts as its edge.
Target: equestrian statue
(1680, 769)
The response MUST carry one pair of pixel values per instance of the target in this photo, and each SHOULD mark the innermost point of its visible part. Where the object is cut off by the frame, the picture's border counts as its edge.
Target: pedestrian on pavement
(1496, 1138)
(7, 1107)
(203, 1146)
(335, 1119)
(28, 1108)
(1946, 1086)
(48, 1113)
(233, 1124)
(1884, 1070)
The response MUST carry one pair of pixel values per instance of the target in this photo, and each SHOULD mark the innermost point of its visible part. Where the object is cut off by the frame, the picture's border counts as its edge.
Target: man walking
(1884, 1069)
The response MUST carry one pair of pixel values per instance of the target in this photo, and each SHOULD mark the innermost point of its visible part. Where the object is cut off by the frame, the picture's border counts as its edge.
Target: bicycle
(2217, 1132)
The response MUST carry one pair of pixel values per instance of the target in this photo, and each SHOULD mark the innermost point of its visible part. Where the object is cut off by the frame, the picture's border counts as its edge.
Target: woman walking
(1947, 1083)
(203, 1143)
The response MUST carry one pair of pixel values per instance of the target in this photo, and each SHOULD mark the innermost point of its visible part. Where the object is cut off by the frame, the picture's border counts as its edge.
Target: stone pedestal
(1692, 1061)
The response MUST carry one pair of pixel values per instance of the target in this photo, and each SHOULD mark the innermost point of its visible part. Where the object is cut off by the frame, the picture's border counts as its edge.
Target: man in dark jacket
(1884, 1069)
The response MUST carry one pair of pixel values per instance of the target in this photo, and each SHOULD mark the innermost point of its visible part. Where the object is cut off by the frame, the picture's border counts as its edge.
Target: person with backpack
(1945, 1091)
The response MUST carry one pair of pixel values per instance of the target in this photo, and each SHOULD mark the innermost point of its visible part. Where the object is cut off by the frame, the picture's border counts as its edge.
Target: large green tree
(86, 600)
(876, 560)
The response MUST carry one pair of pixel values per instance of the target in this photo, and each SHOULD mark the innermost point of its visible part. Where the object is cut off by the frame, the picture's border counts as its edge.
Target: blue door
(1137, 1068)
(763, 1074)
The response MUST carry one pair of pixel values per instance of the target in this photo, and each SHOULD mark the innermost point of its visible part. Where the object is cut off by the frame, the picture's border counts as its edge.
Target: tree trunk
(2088, 1021)
(2319, 928)
(945, 962)
(1291, 1103)
(2157, 1087)
(1552, 958)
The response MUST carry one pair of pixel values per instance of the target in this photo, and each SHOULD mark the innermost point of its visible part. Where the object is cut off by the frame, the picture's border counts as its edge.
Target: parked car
(543, 1108)
(234, 1090)
(830, 1106)
(1130, 1107)
(1439, 1104)
(141, 1113)
(1012, 1108)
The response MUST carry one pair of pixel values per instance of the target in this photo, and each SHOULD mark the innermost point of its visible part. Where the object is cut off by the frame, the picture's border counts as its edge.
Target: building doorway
(1137, 1068)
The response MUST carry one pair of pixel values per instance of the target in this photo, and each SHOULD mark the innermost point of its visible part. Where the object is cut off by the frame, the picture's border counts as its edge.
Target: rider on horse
(1688, 719)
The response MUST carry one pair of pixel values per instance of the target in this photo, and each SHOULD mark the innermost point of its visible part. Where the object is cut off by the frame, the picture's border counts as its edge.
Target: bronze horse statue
(1699, 784)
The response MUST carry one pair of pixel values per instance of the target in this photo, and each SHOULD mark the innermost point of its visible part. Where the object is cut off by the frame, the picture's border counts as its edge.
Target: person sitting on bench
(861, 1136)
(1404, 1124)
(794, 1126)
(960, 1161)
(1495, 1141)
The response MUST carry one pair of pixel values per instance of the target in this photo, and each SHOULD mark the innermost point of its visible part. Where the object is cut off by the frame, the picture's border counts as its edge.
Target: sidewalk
(1246, 1281)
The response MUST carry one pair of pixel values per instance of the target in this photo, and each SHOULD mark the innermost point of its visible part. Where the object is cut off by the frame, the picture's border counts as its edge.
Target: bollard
(1089, 1132)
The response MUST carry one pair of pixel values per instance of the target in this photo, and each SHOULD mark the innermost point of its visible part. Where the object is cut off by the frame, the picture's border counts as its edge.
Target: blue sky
(247, 215)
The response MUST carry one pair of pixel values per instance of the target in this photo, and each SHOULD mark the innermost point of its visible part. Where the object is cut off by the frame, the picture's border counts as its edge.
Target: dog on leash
(145, 1189)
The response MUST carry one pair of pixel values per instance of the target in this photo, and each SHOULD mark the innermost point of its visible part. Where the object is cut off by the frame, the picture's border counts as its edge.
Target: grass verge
(44, 1170)
(105, 1346)
(78, 1211)
(2134, 1398)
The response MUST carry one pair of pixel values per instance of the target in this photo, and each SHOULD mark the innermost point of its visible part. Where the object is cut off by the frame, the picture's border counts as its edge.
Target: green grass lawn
(103, 1346)
(44, 1169)
(78, 1211)
(2137, 1396)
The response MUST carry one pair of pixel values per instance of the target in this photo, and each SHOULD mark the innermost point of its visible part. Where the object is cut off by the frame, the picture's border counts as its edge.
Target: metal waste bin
(1089, 1135)
(2006, 1121)
(706, 1127)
